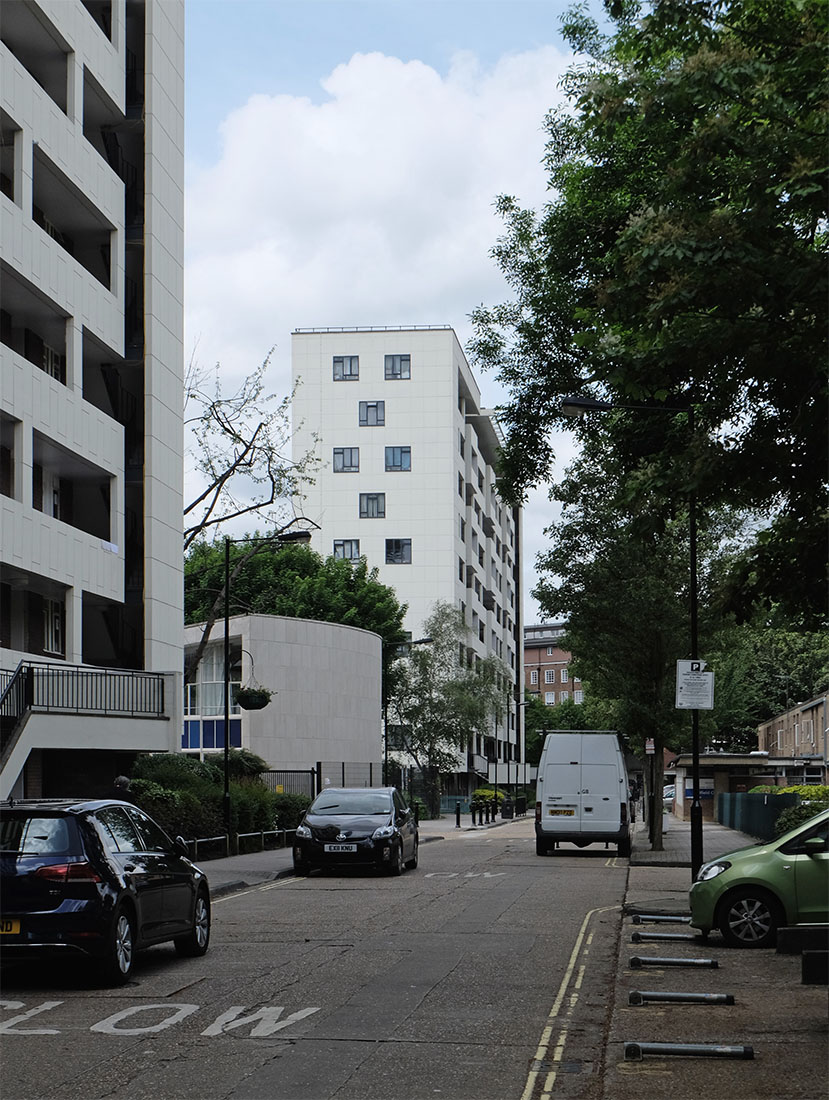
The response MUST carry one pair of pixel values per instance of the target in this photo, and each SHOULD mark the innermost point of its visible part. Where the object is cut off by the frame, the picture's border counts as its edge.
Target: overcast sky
(343, 157)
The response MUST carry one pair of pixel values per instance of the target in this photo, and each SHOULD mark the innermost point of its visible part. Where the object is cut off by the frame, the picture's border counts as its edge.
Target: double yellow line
(555, 1033)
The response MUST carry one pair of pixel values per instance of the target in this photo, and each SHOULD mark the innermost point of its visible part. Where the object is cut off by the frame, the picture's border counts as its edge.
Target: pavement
(775, 1018)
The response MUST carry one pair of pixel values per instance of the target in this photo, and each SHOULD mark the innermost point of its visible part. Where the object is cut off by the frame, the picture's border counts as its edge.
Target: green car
(750, 893)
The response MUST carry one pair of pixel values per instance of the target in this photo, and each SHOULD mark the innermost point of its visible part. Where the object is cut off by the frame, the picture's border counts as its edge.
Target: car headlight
(303, 832)
(383, 833)
(711, 870)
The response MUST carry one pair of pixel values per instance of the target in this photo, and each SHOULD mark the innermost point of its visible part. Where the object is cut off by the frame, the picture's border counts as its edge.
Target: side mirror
(814, 845)
(181, 846)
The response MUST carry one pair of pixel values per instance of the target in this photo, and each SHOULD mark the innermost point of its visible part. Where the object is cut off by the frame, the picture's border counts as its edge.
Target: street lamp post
(576, 406)
(302, 537)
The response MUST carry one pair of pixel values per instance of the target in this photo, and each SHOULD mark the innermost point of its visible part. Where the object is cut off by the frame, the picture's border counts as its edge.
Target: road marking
(542, 1053)
(467, 874)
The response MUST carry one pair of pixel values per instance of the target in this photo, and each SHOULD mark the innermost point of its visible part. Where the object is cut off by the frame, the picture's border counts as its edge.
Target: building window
(398, 458)
(578, 696)
(461, 570)
(549, 675)
(346, 368)
(461, 444)
(347, 548)
(398, 551)
(534, 676)
(398, 366)
(460, 485)
(372, 505)
(564, 676)
(549, 698)
(372, 413)
(346, 460)
(549, 651)
(52, 626)
(563, 696)
(462, 528)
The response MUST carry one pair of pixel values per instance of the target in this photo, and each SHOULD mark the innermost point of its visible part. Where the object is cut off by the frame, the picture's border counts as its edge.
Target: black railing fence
(79, 690)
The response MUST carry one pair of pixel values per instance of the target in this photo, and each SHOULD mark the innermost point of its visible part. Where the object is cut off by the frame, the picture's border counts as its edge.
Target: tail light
(538, 811)
(69, 872)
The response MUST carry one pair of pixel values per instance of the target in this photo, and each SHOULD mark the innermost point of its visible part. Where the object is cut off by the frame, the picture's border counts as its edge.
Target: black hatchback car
(97, 877)
(371, 826)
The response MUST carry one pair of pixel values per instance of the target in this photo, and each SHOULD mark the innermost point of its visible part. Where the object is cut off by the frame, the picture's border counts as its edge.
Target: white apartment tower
(91, 366)
(407, 480)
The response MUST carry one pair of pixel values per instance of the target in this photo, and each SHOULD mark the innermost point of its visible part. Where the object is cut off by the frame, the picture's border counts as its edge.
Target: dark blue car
(96, 877)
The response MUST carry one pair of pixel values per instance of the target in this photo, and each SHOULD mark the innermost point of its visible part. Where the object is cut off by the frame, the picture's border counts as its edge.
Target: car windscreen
(334, 803)
(36, 835)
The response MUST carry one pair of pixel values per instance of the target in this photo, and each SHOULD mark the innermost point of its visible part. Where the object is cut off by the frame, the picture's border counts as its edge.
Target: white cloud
(373, 207)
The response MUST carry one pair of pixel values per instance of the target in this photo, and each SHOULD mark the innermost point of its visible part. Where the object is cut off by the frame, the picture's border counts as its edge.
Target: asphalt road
(482, 975)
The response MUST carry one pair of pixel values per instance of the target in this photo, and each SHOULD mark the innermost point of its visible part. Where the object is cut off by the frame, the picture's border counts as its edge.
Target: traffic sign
(694, 686)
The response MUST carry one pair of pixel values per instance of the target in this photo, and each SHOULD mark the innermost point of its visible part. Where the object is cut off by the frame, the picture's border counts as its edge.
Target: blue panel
(220, 733)
(208, 735)
(236, 733)
(193, 734)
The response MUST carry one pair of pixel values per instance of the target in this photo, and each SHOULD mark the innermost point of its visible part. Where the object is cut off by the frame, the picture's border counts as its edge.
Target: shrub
(793, 816)
(487, 794)
(289, 809)
(176, 770)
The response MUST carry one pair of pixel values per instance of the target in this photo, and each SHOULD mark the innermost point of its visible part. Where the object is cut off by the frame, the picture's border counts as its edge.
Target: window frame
(342, 543)
(405, 545)
(350, 376)
(364, 417)
(343, 468)
(402, 468)
(363, 506)
(390, 375)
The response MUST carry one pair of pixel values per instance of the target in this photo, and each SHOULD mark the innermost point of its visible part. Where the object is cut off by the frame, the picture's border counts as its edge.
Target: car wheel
(541, 848)
(749, 917)
(396, 860)
(412, 863)
(196, 941)
(119, 957)
(302, 867)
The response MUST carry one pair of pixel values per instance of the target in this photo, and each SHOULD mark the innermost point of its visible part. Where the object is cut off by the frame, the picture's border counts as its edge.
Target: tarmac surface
(778, 1020)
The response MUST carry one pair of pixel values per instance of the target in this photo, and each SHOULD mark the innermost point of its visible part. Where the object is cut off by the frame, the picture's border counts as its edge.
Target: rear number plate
(561, 813)
(10, 927)
(340, 848)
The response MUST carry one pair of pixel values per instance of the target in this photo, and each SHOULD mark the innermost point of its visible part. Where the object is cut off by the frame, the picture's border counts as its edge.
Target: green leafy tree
(441, 700)
(682, 261)
(293, 580)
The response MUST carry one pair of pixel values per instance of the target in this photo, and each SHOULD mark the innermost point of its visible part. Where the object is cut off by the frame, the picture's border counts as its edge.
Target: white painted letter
(267, 1018)
(179, 1012)
(7, 1027)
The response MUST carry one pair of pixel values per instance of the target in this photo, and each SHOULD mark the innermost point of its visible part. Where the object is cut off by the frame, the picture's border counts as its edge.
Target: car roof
(60, 805)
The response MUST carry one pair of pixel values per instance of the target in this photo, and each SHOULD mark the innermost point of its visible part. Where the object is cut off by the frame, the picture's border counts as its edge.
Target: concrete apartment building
(91, 366)
(547, 665)
(407, 480)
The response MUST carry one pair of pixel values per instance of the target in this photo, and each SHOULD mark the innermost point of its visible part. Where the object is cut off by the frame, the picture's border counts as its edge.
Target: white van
(582, 792)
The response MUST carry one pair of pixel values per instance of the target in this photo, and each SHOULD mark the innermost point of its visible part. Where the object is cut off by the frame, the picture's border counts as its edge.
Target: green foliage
(681, 261)
(440, 700)
(488, 794)
(289, 809)
(185, 812)
(292, 580)
(176, 770)
(793, 816)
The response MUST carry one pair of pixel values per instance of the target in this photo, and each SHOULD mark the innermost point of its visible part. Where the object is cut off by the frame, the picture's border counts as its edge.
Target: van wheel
(541, 848)
(624, 847)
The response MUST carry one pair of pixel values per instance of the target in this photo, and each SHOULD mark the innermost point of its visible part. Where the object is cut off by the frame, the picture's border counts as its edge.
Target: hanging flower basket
(253, 698)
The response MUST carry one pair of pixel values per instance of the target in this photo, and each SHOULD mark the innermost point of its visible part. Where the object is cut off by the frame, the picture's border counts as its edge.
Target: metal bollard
(636, 962)
(457, 815)
(486, 811)
(650, 937)
(640, 997)
(659, 918)
(635, 1052)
